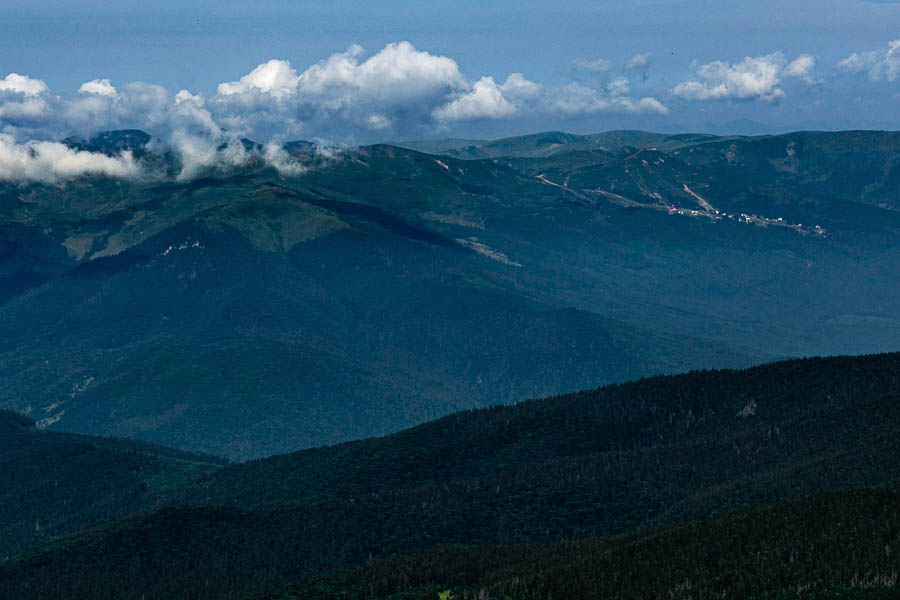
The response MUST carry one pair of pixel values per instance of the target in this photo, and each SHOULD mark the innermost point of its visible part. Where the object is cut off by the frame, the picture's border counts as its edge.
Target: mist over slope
(250, 309)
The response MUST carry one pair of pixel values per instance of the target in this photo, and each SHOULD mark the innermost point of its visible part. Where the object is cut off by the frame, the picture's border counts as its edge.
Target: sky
(359, 72)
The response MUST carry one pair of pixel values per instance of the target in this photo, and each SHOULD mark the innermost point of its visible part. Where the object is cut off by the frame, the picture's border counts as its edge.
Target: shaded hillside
(270, 323)
(839, 545)
(774, 420)
(55, 483)
(618, 460)
(318, 311)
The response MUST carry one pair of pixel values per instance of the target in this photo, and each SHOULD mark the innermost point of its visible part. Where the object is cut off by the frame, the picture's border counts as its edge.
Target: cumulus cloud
(22, 99)
(21, 84)
(484, 101)
(575, 99)
(802, 67)
(391, 89)
(754, 78)
(275, 77)
(881, 65)
(100, 87)
(519, 89)
(25, 111)
(397, 83)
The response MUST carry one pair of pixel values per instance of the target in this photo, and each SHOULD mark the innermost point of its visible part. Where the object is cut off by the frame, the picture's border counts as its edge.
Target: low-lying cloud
(49, 162)
(754, 78)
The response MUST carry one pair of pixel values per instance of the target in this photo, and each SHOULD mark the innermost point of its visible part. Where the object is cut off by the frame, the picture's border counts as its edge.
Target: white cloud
(619, 87)
(484, 101)
(100, 87)
(25, 110)
(883, 65)
(754, 78)
(639, 62)
(519, 89)
(802, 67)
(23, 100)
(21, 84)
(858, 61)
(284, 163)
(50, 162)
(275, 77)
(202, 153)
(397, 89)
(393, 87)
(577, 100)
(397, 82)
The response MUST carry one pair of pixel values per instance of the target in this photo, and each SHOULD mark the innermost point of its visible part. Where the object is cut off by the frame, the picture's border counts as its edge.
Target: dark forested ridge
(838, 545)
(620, 460)
(54, 483)
(794, 411)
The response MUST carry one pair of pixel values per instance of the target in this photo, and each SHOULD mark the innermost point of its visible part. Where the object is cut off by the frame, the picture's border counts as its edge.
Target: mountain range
(512, 369)
(247, 312)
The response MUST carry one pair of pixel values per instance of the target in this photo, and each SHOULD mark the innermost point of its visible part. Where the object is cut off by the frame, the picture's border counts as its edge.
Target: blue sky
(671, 65)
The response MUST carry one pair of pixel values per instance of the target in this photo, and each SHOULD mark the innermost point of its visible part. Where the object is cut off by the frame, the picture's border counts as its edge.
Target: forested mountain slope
(618, 460)
(54, 483)
(839, 545)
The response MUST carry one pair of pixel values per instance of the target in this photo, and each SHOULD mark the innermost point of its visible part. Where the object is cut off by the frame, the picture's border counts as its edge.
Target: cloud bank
(395, 91)
(754, 78)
